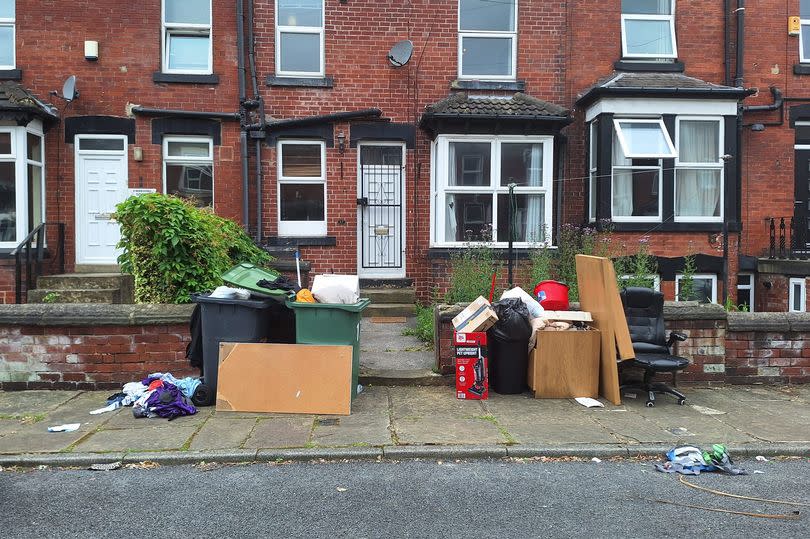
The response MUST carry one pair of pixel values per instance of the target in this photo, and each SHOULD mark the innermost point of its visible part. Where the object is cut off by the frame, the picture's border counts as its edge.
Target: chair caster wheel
(650, 404)
(681, 402)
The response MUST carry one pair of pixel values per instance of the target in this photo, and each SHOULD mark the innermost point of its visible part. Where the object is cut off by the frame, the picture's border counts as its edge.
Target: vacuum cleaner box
(478, 316)
(472, 368)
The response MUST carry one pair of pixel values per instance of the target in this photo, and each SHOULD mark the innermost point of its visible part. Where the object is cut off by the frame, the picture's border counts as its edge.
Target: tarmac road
(509, 498)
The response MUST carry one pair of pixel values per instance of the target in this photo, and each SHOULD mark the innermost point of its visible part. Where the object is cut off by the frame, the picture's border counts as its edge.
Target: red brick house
(292, 117)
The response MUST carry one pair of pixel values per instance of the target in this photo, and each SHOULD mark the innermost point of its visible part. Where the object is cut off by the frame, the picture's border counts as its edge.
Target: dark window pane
(522, 164)
(301, 160)
(744, 298)
(8, 202)
(469, 163)
(34, 196)
(34, 147)
(194, 182)
(381, 155)
(635, 193)
(5, 143)
(302, 202)
(528, 214)
(106, 144)
(468, 217)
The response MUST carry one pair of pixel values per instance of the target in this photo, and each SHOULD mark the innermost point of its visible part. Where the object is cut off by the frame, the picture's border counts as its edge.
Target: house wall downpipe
(243, 150)
(740, 63)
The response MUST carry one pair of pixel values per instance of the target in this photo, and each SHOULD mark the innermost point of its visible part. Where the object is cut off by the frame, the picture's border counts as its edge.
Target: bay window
(472, 179)
(699, 170)
(648, 29)
(301, 188)
(22, 182)
(187, 36)
(487, 39)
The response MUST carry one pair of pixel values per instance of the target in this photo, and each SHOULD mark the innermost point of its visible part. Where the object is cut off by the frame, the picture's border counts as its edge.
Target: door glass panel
(469, 217)
(8, 202)
(528, 214)
(302, 202)
(101, 144)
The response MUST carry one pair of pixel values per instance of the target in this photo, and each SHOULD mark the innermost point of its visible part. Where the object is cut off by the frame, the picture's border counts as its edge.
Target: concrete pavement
(402, 422)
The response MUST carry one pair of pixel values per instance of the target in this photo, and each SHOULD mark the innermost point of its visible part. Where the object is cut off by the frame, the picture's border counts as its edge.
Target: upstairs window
(7, 38)
(804, 35)
(648, 29)
(487, 39)
(300, 38)
(187, 36)
(188, 169)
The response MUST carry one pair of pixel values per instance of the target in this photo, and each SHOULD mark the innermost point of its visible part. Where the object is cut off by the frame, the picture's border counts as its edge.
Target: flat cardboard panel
(567, 316)
(599, 297)
(565, 364)
(285, 378)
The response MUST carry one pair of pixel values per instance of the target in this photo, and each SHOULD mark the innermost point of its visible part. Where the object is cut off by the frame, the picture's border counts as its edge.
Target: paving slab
(123, 419)
(28, 403)
(280, 432)
(146, 439)
(222, 433)
(369, 423)
(629, 427)
(383, 346)
(419, 402)
(36, 439)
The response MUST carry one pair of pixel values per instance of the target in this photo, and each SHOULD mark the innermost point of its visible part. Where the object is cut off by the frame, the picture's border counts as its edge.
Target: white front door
(101, 183)
(381, 210)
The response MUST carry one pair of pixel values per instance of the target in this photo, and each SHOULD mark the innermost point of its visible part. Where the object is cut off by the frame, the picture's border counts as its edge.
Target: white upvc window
(592, 168)
(300, 38)
(301, 188)
(471, 202)
(186, 37)
(188, 169)
(648, 29)
(487, 39)
(22, 182)
(651, 281)
(797, 300)
(704, 287)
(8, 49)
(804, 34)
(699, 169)
(745, 291)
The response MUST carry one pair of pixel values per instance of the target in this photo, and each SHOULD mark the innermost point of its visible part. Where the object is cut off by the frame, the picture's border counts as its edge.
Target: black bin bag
(508, 342)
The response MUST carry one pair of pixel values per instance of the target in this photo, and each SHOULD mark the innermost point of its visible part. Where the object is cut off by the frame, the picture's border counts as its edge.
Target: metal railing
(788, 238)
(29, 256)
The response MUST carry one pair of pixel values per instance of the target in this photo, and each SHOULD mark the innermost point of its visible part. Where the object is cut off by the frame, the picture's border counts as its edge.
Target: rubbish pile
(157, 395)
(690, 460)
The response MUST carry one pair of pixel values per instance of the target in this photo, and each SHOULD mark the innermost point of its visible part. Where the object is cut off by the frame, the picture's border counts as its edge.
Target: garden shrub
(471, 273)
(424, 329)
(174, 249)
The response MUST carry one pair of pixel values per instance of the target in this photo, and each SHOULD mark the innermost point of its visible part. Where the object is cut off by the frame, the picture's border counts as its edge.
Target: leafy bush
(424, 329)
(174, 249)
(686, 286)
(471, 273)
(641, 268)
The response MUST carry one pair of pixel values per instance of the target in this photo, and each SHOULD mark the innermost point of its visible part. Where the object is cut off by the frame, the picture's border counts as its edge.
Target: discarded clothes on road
(690, 460)
(157, 395)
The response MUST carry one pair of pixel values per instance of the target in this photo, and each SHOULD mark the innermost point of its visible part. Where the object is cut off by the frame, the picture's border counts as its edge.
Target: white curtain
(698, 190)
(534, 206)
(450, 200)
(622, 182)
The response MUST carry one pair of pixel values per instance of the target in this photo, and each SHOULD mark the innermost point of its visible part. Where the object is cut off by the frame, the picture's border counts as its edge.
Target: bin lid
(263, 303)
(351, 307)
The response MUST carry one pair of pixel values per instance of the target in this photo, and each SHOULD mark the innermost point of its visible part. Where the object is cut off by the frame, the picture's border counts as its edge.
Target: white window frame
(719, 165)
(593, 164)
(617, 125)
(750, 286)
(620, 138)
(656, 280)
(167, 29)
(439, 173)
(793, 283)
(487, 34)
(641, 17)
(319, 30)
(19, 156)
(302, 228)
(190, 160)
(11, 23)
(709, 276)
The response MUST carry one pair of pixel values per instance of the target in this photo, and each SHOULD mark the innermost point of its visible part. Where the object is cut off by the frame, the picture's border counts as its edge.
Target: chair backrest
(644, 310)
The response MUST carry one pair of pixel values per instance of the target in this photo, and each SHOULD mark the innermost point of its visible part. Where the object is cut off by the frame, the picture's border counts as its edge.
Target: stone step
(389, 295)
(390, 309)
(82, 281)
(94, 295)
(97, 268)
(394, 377)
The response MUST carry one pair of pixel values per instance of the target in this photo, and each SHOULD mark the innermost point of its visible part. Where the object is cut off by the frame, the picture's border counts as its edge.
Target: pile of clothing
(157, 395)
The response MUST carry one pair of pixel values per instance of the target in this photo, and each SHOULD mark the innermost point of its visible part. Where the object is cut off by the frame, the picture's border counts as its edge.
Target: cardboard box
(565, 364)
(478, 316)
(472, 366)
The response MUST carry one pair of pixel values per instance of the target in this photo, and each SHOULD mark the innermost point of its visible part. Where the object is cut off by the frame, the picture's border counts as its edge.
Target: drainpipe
(727, 42)
(257, 129)
(243, 150)
(739, 71)
(778, 104)
(740, 11)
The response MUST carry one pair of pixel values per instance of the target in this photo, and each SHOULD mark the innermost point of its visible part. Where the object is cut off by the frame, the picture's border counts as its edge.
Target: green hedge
(174, 249)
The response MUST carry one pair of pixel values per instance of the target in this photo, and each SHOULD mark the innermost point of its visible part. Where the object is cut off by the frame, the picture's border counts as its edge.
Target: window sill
(465, 84)
(500, 253)
(182, 78)
(654, 67)
(801, 69)
(669, 227)
(10, 74)
(301, 82)
(303, 241)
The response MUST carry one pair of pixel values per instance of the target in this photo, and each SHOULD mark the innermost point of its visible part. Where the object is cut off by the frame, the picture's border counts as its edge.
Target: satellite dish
(69, 92)
(400, 53)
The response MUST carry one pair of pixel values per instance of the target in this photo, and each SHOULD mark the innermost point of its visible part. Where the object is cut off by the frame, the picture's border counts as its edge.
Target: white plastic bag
(336, 288)
(535, 309)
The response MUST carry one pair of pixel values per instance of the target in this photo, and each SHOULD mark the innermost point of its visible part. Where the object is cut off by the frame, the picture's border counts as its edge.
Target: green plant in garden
(174, 249)
(51, 297)
(640, 268)
(424, 329)
(471, 272)
(686, 286)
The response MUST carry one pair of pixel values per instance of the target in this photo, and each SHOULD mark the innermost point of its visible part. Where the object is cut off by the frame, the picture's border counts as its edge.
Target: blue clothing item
(187, 385)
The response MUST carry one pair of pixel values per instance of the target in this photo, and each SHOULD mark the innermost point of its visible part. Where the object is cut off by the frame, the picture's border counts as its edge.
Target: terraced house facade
(379, 137)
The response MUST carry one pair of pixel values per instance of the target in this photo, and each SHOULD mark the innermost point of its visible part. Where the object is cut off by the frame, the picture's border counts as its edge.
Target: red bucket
(552, 295)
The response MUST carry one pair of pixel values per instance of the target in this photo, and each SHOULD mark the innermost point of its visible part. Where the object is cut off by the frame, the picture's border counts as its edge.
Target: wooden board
(565, 364)
(567, 316)
(285, 378)
(599, 295)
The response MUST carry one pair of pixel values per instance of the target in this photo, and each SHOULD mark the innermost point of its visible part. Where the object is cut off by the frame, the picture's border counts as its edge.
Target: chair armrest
(675, 336)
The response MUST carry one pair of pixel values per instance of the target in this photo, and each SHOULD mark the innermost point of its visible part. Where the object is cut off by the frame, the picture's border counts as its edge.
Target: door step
(389, 301)
(83, 288)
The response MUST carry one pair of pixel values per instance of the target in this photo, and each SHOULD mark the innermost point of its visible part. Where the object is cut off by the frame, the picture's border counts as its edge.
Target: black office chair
(644, 310)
